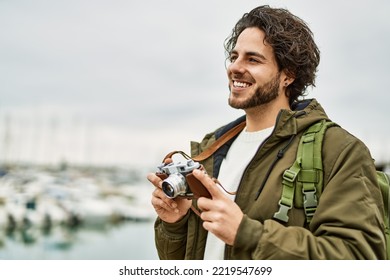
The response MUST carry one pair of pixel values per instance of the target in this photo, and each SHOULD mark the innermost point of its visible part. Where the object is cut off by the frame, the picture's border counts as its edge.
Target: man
(273, 59)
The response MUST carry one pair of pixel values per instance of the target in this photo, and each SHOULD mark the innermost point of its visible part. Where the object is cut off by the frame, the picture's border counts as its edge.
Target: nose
(235, 66)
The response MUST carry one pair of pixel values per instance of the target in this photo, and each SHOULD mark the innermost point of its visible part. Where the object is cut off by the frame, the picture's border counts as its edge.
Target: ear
(287, 78)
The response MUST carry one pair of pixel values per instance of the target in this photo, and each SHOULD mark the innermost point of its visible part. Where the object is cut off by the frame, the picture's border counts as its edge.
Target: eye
(232, 57)
(253, 60)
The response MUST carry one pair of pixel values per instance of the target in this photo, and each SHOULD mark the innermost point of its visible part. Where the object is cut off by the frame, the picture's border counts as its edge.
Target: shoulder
(343, 152)
(338, 139)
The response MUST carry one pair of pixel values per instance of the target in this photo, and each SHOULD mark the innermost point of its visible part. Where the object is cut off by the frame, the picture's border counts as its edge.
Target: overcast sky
(145, 77)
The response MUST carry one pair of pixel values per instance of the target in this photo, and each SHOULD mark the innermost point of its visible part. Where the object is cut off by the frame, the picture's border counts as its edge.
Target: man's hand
(221, 216)
(169, 210)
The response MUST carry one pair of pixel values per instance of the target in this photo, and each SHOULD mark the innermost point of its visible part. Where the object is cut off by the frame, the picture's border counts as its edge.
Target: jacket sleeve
(348, 223)
(171, 238)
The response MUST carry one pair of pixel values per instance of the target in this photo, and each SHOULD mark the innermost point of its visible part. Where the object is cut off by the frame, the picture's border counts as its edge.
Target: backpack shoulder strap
(305, 177)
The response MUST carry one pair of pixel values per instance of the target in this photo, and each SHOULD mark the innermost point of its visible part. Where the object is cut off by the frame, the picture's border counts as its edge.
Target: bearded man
(272, 60)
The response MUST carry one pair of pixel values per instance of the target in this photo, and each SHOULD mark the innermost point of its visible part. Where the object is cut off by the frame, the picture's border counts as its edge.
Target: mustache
(242, 77)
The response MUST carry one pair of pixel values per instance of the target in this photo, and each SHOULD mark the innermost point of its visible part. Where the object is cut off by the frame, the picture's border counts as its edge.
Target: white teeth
(240, 84)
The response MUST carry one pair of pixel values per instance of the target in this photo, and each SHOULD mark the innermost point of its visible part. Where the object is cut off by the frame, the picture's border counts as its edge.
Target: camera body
(178, 180)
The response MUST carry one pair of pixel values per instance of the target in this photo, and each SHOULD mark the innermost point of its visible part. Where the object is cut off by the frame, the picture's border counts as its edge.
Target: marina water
(75, 213)
(128, 241)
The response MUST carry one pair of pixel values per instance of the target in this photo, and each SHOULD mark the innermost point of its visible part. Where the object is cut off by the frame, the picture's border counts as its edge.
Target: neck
(264, 116)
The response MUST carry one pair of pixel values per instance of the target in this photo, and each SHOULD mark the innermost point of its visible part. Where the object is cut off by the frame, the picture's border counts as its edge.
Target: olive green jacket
(348, 223)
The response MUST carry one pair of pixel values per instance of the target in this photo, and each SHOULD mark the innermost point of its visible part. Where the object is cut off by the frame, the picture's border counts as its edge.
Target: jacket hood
(301, 115)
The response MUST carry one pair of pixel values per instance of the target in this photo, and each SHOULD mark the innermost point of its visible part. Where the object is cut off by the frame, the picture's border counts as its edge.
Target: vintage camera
(178, 180)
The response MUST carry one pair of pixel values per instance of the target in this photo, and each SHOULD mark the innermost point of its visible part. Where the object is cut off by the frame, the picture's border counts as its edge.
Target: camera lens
(174, 185)
(168, 190)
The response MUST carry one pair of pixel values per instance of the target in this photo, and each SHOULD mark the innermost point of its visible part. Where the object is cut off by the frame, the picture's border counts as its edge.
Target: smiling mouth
(237, 84)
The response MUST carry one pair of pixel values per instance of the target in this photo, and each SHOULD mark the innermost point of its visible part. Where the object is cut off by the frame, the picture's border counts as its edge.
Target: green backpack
(303, 181)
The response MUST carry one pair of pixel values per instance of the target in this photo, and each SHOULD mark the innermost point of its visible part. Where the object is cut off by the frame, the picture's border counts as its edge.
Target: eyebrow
(251, 53)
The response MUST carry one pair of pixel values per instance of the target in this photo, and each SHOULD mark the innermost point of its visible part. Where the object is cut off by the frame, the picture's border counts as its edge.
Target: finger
(208, 183)
(154, 179)
(159, 200)
(211, 216)
(204, 204)
(207, 225)
(158, 193)
(159, 204)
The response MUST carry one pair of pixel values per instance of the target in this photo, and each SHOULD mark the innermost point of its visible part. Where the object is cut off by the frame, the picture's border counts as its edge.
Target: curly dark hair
(292, 42)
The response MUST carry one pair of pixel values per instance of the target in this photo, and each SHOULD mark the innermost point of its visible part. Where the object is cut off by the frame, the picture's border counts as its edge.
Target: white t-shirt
(241, 152)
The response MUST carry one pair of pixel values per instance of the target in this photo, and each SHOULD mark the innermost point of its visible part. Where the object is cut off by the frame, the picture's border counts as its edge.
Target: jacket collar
(289, 121)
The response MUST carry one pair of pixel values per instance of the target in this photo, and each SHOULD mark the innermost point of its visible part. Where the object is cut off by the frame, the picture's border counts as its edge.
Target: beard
(263, 95)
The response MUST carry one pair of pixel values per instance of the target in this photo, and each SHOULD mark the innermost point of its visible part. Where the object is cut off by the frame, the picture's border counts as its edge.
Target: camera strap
(220, 142)
(213, 147)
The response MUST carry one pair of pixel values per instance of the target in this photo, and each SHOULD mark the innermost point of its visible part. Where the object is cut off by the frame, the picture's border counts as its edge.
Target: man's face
(254, 78)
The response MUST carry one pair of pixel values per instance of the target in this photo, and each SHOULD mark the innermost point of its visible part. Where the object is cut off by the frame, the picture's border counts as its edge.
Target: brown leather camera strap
(168, 156)
(220, 142)
(213, 147)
